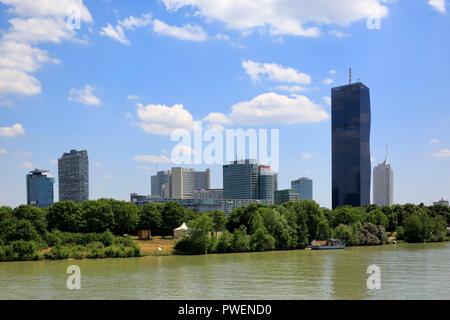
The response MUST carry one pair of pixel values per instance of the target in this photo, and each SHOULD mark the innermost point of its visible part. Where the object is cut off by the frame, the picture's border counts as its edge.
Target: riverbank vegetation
(96, 229)
(293, 225)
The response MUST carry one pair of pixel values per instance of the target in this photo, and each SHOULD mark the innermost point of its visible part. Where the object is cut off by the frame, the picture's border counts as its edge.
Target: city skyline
(108, 86)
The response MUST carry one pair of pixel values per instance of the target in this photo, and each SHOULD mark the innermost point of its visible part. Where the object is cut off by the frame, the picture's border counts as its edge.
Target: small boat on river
(327, 244)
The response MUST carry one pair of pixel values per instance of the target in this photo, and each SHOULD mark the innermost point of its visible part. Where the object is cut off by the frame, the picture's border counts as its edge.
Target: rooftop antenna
(349, 75)
(385, 159)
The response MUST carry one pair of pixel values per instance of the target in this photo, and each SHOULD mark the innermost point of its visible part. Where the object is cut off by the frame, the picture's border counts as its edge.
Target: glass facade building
(267, 183)
(240, 180)
(282, 196)
(158, 181)
(350, 126)
(73, 176)
(39, 188)
(246, 179)
(304, 187)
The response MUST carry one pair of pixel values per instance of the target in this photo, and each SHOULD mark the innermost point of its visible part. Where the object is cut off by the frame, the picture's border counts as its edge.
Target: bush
(58, 253)
(107, 238)
(261, 241)
(25, 250)
(224, 242)
(240, 240)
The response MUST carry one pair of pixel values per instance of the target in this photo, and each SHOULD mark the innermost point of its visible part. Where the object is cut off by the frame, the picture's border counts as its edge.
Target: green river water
(408, 271)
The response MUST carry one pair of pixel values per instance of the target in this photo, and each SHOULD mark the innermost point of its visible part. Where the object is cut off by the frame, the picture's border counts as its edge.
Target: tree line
(293, 225)
(96, 228)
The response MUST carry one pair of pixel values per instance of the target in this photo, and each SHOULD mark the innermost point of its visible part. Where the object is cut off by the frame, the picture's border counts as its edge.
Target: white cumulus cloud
(131, 23)
(33, 22)
(13, 131)
(186, 32)
(274, 72)
(438, 5)
(281, 17)
(85, 95)
(274, 108)
(162, 119)
(217, 117)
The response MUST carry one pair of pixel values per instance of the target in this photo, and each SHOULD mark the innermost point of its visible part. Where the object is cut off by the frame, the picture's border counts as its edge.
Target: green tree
(150, 216)
(126, 216)
(5, 213)
(173, 215)
(197, 239)
(224, 242)
(66, 216)
(219, 220)
(36, 216)
(14, 229)
(98, 214)
(240, 240)
(438, 228)
(260, 240)
(418, 227)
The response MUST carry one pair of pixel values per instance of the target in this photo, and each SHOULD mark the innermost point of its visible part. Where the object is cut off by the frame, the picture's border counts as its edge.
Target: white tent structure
(180, 231)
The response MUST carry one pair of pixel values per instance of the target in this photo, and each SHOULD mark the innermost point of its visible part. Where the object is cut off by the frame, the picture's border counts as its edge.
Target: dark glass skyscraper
(39, 188)
(240, 180)
(73, 176)
(351, 170)
(246, 179)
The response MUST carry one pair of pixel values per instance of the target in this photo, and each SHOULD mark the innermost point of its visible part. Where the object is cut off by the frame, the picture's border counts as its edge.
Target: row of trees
(255, 227)
(293, 225)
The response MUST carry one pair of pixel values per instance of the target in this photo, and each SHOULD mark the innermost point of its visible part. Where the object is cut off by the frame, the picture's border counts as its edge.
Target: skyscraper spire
(385, 159)
(349, 75)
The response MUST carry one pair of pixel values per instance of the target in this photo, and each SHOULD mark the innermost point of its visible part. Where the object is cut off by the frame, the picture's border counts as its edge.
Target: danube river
(408, 271)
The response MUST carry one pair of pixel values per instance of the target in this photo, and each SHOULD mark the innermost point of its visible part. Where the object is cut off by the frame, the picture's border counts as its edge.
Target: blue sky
(115, 86)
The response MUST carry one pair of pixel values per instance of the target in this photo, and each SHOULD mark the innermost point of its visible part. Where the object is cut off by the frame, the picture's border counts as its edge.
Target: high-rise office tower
(158, 181)
(240, 180)
(183, 182)
(267, 183)
(246, 179)
(350, 125)
(40, 188)
(304, 187)
(73, 176)
(383, 183)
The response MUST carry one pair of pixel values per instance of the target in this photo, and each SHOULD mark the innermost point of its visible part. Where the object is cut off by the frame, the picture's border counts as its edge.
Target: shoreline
(167, 254)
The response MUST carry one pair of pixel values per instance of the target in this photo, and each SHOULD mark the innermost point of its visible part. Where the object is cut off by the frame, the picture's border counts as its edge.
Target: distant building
(40, 188)
(350, 126)
(441, 202)
(240, 180)
(383, 184)
(141, 200)
(246, 179)
(208, 194)
(158, 181)
(183, 182)
(304, 187)
(267, 183)
(282, 196)
(73, 176)
(200, 205)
